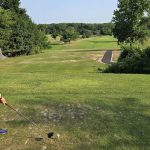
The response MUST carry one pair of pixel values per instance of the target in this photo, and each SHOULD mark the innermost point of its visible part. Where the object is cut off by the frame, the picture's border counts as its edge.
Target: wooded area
(19, 35)
(72, 31)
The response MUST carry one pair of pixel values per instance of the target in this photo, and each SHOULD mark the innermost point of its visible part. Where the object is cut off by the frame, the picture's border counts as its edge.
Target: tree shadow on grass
(92, 50)
(96, 42)
(121, 124)
(130, 126)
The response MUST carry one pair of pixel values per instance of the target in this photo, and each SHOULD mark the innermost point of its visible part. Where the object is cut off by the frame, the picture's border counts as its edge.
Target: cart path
(107, 58)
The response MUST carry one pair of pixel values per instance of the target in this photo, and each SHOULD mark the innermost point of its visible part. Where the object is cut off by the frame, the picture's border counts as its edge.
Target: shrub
(131, 60)
(128, 52)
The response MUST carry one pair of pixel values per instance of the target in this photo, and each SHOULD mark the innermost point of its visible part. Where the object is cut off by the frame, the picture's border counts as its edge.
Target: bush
(128, 52)
(131, 60)
(18, 34)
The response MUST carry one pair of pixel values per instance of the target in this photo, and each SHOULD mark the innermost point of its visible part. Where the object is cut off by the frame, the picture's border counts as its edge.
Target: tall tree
(22, 36)
(128, 19)
(10, 4)
(6, 22)
(69, 34)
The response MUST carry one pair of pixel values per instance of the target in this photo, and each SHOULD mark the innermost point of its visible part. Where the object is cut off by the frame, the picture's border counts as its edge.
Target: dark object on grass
(3, 131)
(38, 138)
(50, 135)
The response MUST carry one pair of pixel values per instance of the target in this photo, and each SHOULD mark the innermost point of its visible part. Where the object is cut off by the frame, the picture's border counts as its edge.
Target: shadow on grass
(56, 44)
(94, 50)
(121, 124)
(96, 42)
(85, 51)
(126, 125)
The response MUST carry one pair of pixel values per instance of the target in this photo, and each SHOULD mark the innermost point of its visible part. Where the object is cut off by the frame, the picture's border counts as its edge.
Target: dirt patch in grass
(116, 55)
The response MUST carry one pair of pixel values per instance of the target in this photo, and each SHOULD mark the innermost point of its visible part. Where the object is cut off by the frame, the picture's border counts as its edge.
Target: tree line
(72, 31)
(18, 34)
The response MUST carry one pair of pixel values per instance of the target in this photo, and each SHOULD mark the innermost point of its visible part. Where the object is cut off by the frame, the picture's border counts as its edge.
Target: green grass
(63, 92)
(94, 43)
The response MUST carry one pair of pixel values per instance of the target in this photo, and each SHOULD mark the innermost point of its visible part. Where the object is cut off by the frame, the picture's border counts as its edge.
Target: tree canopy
(83, 30)
(10, 4)
(131, 20)
(69, 34)
(19, 35)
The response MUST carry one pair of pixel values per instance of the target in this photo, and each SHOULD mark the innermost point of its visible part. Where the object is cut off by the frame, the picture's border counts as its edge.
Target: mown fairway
(95, 43)
(62, 91)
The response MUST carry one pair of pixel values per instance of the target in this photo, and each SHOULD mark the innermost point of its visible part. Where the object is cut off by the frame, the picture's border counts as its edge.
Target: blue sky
(58, 11)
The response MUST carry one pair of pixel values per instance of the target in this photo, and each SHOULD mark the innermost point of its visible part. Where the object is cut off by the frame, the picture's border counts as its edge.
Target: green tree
(20, 36)
(129, 21)
(26, 38)
(69, 34)
(87, 33)
(83, 29)
(10, 4)
(6, 22)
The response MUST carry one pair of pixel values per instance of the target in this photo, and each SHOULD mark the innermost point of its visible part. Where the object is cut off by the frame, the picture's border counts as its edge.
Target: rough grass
(88, 109)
